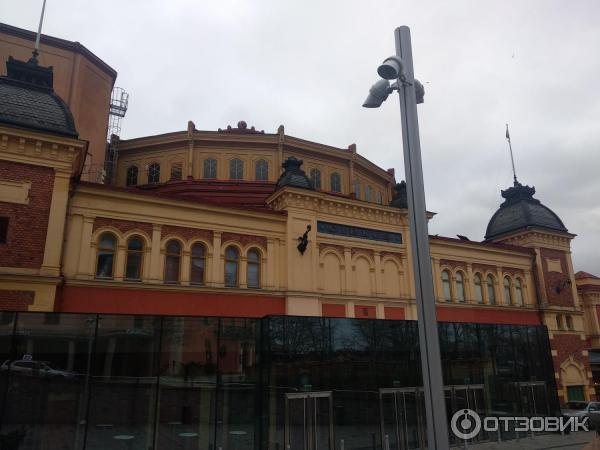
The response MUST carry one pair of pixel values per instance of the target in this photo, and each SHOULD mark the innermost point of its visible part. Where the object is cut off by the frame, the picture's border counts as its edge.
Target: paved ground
(574, 441)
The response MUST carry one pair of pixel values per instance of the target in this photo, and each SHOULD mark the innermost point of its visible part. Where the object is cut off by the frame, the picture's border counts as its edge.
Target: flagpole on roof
(512, 159)
(36, 49)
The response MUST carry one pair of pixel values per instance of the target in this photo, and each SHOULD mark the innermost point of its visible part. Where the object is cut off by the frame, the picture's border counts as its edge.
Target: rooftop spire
(512, 159)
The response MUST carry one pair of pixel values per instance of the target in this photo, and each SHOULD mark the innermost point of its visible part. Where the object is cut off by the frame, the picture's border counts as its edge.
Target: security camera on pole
(411, 92)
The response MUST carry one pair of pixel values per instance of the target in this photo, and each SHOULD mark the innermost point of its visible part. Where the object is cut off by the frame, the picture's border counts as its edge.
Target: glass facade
(85, 381)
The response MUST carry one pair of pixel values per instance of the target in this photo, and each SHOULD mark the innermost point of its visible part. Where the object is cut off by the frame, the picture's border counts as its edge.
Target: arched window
(107, 245)
(132, 176)
(490, 290)
(569, 322)
(154, 173)
(368, 193)
(446, 285)
(236, 169)
(209, 169)
(357, 189)
(262, 170)
(135, 254)
(232, 263)
(507, 293)
(172, 261)
(315, 178)
(559, 322)
(335, 182)
(198, 263)
(253, 280)
(379, 198)
(519, 292)
(478, 288)
(460, 287)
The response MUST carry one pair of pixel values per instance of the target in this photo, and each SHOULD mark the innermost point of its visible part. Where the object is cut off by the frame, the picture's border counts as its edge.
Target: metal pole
(39, 32)
(433, 384)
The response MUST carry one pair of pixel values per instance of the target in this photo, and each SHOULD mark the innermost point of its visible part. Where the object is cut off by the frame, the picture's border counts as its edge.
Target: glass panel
(237, 413)
(315, 178)
(519, 292)
(105, 264)
(45, 405)
(172, 268)
(132, 174)
(446, 286)
(490, 290)
(336, 185)
(210, 168)
(154, 173)
(460, 288)
(187, 386)
(297, 424)
(507, 294)
(123, 392)
(262, 170)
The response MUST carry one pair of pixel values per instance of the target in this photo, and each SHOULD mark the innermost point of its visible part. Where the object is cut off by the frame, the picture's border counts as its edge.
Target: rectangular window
(176, 171)
(575, 393)
(3, 230)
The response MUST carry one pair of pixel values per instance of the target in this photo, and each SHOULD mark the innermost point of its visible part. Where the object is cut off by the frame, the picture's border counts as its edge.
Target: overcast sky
(309, 64)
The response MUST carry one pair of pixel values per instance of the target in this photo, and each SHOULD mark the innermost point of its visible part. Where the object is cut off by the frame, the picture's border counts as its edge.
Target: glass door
(308, 421)
(402, 418)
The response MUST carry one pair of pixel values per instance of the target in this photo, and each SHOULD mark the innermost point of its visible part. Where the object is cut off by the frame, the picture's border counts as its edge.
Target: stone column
(85, 252)
(217, 261)
(56, 224)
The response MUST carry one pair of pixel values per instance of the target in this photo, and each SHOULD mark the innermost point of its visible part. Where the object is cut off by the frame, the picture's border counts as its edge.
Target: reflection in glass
(232, 257)
(460, 287)
(315, 178)
(335, 182)
(135, 253)
(210, 168)
(446, 286)
(198, 263)
(519, 292)
(478, 288)
(172, 261)
(253, 280)
(490, 290)
(262, 170)
(507, 293)
(45, 406)
(106, 255)
(123, 387)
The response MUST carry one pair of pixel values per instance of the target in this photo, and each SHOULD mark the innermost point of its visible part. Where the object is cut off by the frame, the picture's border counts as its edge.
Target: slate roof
(520, 211)
(28, 102)
(293, 175)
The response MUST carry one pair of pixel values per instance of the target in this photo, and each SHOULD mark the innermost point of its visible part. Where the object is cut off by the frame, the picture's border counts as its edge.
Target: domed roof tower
(520, 211)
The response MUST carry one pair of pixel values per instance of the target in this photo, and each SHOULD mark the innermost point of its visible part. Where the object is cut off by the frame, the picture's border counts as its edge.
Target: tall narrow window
(154, 173)
(569, 322)
(262, 170)
(490, 290)
(368, 193)
(519, 292)
(176, 171)
(478, 288)
(209, 170)
(3, 230)
(106, 255)
(460, 287)
(336, 182)
(315, 178)
(232, 263)
(507, 293)
(379, 198)
(446, 286)
(172, 261)
(135, 253)
(132, 176)
(236, 169)
(198, 264)
(357, 189)
(253, 269)
(559, 322)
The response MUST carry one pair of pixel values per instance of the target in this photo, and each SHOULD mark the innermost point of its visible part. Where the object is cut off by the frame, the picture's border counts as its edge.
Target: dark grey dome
(293, 175)
(28, 100)
(520, 211)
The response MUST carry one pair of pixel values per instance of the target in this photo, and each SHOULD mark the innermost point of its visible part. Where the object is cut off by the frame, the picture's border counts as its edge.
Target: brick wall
(12, 300)
(186, 233)
(122, 225)
(552, 280)
(28, 224)
(567, 345)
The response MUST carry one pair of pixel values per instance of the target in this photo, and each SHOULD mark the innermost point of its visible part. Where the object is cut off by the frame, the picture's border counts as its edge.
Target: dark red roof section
(516, 248)
(581, 274)
(198, 194)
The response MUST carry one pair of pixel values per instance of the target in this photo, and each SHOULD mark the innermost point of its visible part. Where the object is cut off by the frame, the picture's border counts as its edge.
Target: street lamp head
(419, 91)
(378, 94)
(391, 69)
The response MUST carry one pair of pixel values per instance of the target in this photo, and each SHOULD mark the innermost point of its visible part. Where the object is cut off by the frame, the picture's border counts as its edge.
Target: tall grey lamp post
(410, 91)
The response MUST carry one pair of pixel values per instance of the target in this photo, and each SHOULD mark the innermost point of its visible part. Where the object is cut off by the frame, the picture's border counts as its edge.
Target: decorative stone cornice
(539, 238)
(64, 154)
(324, 203)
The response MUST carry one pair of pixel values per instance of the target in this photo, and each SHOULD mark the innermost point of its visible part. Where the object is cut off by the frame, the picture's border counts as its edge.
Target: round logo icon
(465, 424)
